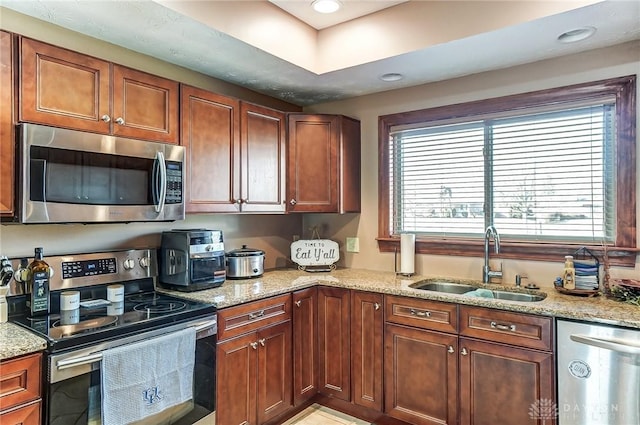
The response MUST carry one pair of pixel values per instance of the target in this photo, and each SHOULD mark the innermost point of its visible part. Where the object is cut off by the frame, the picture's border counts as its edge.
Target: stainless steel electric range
(78, 338)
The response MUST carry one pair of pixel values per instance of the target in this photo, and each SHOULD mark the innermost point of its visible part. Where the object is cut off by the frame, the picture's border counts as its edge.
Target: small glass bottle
(38, 301)
(569, 274)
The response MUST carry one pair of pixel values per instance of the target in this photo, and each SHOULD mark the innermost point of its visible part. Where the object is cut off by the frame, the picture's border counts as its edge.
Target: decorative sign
(315, 254)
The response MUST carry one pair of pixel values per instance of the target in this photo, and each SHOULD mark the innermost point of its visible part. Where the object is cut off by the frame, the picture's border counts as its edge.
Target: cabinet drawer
(248, 317)
(25, 415)
(518, 329)
(20, 381)
(421, 313)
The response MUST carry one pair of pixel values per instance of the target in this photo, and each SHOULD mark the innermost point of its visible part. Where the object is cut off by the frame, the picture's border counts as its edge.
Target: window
(552, 170)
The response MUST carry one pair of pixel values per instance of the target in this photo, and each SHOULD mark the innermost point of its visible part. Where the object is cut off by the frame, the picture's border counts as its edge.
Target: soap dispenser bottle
(569, 274)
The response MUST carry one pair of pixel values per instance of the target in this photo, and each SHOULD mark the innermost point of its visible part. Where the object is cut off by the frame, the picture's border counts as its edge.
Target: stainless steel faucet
(487, 273)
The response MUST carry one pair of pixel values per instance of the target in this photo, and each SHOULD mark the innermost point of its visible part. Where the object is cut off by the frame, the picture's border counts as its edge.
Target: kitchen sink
(518, 296)
(463, 288)
(443, 286)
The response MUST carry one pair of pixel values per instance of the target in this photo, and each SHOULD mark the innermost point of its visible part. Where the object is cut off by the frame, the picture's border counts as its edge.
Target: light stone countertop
(596, 309)
(17, 341)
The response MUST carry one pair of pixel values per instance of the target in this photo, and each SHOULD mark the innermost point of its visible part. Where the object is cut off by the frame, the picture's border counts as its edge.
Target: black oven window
(72, 177)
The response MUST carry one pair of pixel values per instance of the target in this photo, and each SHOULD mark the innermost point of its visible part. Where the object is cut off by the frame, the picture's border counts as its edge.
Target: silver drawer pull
(502, 327)
(420, 313)
(257, 315)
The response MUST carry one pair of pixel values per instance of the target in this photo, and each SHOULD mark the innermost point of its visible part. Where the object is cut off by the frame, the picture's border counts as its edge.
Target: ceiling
(277, 48)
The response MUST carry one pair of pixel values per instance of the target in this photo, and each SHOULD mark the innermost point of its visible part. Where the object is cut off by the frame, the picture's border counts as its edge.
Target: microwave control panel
(174, 183)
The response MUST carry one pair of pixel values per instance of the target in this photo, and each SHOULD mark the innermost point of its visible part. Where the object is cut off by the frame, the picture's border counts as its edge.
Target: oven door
(73, 394)
(72, 176)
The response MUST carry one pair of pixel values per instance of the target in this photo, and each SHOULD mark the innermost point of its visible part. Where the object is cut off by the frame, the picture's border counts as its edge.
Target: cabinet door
(305, 345)
(312, 178)
(210, 134)
(145, 106)
(62, 88)
(367, 328)
(25, 415)
(421, 376)
(274, 371)
(237, 380)
(501, 384)
(7, 142)
(262, 154)
(334, 342)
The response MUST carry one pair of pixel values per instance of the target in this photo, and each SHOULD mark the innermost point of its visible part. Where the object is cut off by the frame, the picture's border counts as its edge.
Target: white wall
(599, 64)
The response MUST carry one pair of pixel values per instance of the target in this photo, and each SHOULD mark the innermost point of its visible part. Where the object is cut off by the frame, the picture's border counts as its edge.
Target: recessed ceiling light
(391, 76)
(326, 6)
(577, 34)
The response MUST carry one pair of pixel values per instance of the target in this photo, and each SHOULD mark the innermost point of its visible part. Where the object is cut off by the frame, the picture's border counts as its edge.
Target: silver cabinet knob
(293, 202)
(261, 341)
(298, 303)
(105, 118)
(376, 306)
(120, 121)
(254, 345)
(450, 349)
(464, 352)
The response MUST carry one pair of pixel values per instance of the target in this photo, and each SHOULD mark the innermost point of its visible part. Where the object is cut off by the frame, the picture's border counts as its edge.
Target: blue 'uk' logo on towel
(152, 395)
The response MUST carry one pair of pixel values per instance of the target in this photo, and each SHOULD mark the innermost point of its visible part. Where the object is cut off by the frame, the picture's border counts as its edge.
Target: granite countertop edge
(17, 341)
(596, 309)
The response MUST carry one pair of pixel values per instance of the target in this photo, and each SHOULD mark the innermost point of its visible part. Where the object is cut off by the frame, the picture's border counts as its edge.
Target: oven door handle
(96, 357)
(79, 361)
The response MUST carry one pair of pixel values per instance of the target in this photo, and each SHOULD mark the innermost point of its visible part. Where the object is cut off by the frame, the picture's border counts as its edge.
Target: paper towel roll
(407, 253)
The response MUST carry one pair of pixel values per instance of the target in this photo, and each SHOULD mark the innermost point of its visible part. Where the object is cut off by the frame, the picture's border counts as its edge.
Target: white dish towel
(147, 377)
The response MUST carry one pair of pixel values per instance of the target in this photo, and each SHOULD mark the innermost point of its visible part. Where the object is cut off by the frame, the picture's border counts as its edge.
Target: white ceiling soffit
(424, 41)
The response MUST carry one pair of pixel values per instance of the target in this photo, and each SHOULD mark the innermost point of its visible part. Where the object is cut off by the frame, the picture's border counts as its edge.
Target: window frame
(622, 253)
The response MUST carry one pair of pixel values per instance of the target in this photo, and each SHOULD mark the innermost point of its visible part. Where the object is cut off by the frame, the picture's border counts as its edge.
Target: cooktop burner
(159, 307)
(140, 311)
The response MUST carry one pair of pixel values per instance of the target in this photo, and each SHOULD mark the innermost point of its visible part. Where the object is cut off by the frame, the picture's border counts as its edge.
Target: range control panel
(71, 269)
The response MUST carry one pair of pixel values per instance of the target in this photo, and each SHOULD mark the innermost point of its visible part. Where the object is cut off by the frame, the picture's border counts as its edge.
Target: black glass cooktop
(140, 311)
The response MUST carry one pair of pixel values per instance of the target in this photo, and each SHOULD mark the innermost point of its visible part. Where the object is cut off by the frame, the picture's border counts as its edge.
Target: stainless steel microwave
(69, 176)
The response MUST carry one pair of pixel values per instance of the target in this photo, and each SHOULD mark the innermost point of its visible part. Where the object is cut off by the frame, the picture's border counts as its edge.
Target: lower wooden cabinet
(254, 373)
(334, 341)
(421, 375)
(500, 384)
(305, 344)
(20, 390)
(367, 333)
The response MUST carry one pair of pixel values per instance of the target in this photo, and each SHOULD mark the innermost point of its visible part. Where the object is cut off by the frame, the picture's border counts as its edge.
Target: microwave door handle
(161, 181)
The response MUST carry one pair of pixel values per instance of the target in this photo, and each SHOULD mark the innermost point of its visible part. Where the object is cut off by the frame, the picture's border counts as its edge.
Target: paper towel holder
(395, 265)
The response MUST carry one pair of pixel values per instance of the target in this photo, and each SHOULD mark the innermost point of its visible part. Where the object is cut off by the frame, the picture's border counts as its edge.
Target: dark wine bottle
(38, 301)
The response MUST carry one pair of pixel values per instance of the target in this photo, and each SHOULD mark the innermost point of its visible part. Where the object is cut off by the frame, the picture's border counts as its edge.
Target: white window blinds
(541, 176)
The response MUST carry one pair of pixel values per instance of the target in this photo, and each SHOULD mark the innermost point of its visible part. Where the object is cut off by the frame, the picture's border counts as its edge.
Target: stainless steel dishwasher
(598, 374)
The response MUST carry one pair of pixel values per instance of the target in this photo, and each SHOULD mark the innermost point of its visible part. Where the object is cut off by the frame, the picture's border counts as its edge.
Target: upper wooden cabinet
(236, 154)
(7, 140)
(324, 164)
(62, 88)
(262, 159)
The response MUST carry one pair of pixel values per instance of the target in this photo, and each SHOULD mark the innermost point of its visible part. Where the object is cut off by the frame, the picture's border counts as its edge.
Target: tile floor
(320, 415)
